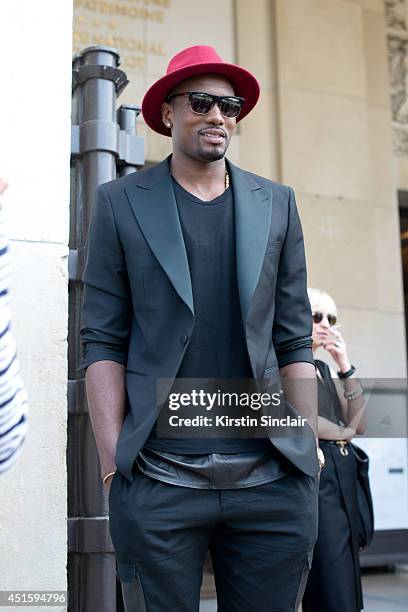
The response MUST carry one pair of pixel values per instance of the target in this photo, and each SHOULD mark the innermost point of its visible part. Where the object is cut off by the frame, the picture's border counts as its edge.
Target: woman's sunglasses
(318, 318)
(202, 103)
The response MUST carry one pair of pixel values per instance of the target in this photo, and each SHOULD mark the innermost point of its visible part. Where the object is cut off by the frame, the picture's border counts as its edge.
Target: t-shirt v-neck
(189, 196)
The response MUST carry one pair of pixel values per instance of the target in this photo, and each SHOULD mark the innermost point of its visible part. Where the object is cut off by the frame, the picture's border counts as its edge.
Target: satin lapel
(253, 212)
(154, 206)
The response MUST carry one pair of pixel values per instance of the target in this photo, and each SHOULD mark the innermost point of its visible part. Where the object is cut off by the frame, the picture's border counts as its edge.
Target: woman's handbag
(364, 499)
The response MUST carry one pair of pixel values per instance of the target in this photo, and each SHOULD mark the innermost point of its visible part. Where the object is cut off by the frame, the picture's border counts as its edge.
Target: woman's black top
(329, 405)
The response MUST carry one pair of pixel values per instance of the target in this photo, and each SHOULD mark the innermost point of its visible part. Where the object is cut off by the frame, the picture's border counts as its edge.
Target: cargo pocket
(132, 591)
(303, 580)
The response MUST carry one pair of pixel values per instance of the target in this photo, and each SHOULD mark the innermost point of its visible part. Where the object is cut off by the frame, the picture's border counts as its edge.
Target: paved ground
(383, 592)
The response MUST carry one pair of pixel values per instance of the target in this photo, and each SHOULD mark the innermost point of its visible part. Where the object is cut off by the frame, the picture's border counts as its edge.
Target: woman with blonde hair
(334, 583)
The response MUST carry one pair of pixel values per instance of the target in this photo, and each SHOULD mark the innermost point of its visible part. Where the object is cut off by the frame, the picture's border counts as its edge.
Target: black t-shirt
(217, 348)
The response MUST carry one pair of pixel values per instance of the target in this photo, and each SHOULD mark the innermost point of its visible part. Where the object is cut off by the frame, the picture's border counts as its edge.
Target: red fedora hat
(190, 62)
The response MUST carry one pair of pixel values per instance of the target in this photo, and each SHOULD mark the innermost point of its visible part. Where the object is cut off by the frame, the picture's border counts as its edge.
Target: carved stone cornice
(397, 40)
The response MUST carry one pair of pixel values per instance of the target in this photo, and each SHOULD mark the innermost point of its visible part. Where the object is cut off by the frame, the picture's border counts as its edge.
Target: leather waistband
(212, 471)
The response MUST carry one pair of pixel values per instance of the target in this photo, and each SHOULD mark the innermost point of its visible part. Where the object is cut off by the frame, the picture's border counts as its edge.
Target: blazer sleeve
(106, 300)
(292, 327)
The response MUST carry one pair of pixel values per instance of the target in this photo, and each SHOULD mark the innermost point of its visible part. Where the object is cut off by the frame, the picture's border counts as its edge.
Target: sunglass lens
(201, 103)
(230, 107)
(318, 318)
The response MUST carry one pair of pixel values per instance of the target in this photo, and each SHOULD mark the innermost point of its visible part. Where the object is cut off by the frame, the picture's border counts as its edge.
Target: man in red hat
(196, 270)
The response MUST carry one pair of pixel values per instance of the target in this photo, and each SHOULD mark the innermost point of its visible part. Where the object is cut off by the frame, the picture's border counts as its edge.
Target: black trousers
(260, 539)
(334, 583)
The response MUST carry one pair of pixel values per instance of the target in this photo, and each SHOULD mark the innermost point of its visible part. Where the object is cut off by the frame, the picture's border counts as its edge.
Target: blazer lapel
(154, 205)
(253, 213)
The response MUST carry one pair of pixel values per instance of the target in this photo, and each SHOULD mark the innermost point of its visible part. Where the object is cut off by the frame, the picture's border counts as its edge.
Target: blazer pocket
(273, 247)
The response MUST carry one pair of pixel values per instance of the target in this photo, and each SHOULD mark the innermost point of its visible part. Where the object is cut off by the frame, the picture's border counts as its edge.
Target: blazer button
(184, 339)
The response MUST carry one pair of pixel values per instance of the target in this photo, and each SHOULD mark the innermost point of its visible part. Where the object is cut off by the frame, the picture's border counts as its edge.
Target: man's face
(200, 137)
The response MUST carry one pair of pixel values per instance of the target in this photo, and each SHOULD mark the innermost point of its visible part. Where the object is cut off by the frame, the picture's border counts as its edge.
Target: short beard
(211, 155)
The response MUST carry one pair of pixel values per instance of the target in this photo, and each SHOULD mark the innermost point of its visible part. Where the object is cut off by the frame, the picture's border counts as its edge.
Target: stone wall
(34, 158)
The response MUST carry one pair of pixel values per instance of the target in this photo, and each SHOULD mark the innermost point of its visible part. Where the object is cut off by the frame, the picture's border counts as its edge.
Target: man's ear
(167, 114)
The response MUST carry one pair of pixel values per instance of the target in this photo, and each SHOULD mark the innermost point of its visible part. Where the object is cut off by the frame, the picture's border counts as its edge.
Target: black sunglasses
(202, 103)
(318, 318)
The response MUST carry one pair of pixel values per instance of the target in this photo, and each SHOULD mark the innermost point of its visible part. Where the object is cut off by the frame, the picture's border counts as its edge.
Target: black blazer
(138, 305)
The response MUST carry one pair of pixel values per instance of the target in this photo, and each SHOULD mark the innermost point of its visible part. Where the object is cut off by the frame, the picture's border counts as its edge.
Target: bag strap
(358, 452)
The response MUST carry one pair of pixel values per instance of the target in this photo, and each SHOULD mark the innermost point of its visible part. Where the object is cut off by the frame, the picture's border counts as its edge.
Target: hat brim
(245, 85)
